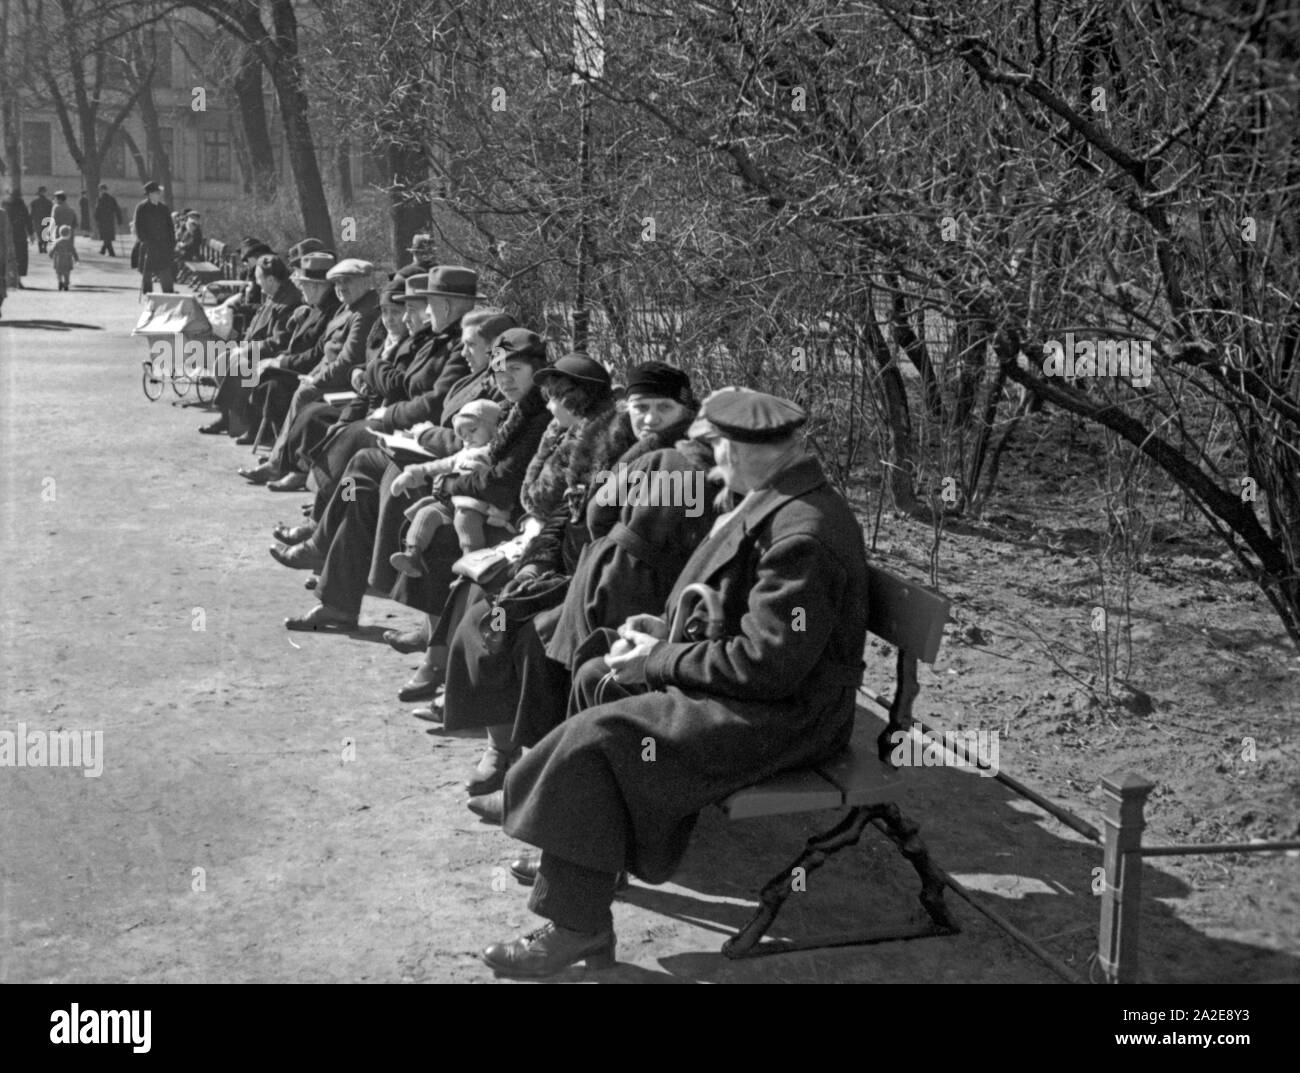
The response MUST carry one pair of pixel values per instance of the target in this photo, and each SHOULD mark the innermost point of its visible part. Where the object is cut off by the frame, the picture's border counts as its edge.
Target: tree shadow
(50, 325)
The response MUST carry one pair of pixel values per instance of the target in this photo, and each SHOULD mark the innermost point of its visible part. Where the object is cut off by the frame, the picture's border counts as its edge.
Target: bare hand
(358, 379)
(647, 624)
(628, 656)
(408, 480)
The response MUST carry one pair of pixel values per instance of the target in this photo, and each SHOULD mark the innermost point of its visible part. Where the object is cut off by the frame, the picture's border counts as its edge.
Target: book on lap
(402, 448)
(339, 398)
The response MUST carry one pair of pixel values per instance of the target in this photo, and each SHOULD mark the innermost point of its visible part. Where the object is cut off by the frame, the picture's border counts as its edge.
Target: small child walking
(475, 424)
(64, 255)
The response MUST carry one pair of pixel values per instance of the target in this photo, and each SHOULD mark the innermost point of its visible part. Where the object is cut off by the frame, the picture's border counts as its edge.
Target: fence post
(1117, 946)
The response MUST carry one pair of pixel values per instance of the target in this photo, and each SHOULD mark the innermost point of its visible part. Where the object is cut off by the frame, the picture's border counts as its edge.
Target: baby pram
(183, 348)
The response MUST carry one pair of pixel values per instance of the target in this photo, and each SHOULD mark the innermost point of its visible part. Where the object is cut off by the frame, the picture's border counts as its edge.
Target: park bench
(911, 618)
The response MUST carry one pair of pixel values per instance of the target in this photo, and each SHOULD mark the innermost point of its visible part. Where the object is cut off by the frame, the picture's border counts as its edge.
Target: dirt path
(138, 600)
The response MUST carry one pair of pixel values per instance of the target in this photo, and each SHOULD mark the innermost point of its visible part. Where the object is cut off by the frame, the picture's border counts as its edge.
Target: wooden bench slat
(861, 777)
(794, 791)
(905, 614)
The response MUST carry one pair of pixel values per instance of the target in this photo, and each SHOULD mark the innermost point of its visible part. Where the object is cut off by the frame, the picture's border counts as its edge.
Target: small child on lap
(475, 424)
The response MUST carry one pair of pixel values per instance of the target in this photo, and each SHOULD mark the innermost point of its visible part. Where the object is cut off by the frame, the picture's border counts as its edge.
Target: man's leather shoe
(490, 774)
(429, 715)
(549, 950)
(298, 557)
(292, 534)
(290, 482)
(524, 869)
(216, 428)
(261, 474)
(321, 618)
(491, 807)
(423, 685)
(245, 439)
(408, 641)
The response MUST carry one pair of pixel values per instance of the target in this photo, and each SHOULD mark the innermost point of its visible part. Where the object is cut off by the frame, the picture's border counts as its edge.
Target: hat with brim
(520, 345)
(453, 281)
(416, 288)
(746, 416)
(299, 250)
(421, 243)
(577, 367)
(314, 266)
(248, 250)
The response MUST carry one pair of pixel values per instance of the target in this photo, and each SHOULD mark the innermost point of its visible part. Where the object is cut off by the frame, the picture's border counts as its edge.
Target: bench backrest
(906, 615)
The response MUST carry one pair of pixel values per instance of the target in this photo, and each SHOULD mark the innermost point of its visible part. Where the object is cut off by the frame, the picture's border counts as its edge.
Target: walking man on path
(108, 218)
(20, 222)
(42, 208)
(152, 224)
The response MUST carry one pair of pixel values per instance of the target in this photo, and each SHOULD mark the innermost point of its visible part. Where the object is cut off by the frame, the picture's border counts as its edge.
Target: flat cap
(314, 266)
(351, 266)
(150, 187)
(737, 413)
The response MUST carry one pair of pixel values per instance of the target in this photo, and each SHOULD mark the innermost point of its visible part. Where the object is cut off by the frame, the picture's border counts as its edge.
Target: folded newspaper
(339, 398)
(402, 446)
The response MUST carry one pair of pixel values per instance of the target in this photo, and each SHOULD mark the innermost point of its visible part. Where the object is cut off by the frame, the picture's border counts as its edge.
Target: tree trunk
(162, 161)
(13, 141)
(343, 170)
(408, 211)
(260, 178)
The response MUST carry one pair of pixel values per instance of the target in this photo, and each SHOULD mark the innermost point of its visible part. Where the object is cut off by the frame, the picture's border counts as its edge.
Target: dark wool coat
(108, 216)
(42, 209)
(637, 549)
(309, 324)
(516, 443)
(775, 692)
(340, 348)
(430, 376)
(273, 324)
(153, 230)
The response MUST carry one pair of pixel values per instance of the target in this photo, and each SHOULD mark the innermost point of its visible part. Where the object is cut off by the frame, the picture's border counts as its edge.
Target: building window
(216, 157)
(162, 72)
(36, 149)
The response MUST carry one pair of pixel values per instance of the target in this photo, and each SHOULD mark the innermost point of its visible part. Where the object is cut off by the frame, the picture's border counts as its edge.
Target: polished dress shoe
(524, 869)
(429, 715)
(408, 641)
(292, 534)
(549, 950)
(261, 474)
(491, 807)
(297, 557)
(216, 428)
(423, 684)
(322, 618)
(490, 774)
(245, 439)
(290, 482)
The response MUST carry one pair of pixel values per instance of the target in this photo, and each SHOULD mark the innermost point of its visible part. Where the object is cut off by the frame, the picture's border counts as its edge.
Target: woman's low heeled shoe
(423, 684)
(549, 950)
(292, 534)
(297, 557)
(290, 482)
(321, 618)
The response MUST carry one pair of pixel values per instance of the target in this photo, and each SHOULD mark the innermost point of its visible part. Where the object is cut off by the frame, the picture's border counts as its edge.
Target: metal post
(1117, 947)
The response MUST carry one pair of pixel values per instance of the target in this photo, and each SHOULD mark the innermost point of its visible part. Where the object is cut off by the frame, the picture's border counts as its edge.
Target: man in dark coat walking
(20, 221)
(108, 217)
(42, 209)
(152, 225)
(685, 723)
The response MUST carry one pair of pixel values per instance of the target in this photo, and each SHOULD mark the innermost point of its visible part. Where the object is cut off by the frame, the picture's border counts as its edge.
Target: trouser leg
(573, 896)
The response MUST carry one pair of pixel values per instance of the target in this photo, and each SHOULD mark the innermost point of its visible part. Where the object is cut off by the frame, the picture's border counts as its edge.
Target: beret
(737, 413)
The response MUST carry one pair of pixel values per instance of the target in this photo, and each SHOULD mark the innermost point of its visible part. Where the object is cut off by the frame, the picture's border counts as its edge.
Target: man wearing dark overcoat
(42, 209)
(108, 217)
(152, 225)
(684, 723)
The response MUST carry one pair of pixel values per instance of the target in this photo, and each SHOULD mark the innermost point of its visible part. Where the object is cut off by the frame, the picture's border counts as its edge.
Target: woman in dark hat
(633, 509)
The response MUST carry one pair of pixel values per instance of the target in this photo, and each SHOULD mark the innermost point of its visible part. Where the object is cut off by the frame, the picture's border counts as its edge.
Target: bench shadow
(1011, 856)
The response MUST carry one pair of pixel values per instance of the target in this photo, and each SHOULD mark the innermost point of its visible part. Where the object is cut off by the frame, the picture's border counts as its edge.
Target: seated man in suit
(684, 723)
(326, 367)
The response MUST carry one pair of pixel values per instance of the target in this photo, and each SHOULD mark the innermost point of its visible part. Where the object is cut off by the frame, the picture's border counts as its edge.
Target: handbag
(516, 604)
(135, 256)
(482, 567)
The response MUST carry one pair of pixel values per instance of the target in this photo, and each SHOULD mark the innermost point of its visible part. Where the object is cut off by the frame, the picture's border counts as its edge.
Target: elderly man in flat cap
(617, 787)
(326, 367)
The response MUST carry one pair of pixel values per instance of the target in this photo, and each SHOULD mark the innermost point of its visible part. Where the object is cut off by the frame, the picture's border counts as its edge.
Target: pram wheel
(205, 388)
(151, 382)
(180, 385)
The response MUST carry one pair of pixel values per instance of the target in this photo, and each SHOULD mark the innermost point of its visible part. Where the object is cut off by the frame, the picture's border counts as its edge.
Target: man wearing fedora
(424, 254)
(42, 208)
(773, 690)
(301, 379)
(152, 224)
(307, 323)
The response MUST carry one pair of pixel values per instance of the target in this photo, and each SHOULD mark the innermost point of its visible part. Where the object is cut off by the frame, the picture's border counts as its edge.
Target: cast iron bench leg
(847, 832)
